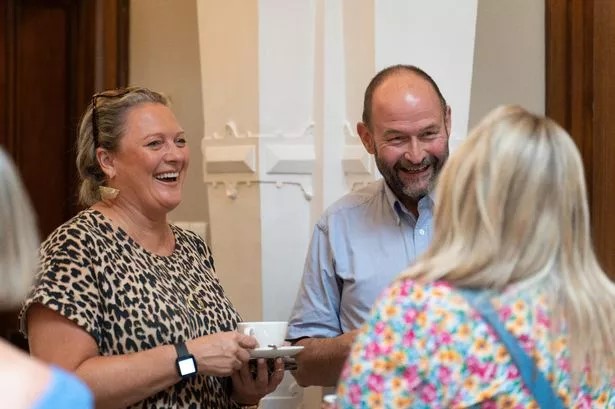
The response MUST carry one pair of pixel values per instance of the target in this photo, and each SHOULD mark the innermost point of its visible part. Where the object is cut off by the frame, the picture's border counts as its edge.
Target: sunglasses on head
(116, 93)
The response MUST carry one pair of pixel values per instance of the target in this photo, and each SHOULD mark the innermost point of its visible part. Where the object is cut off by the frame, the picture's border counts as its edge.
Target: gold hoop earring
(108, 194)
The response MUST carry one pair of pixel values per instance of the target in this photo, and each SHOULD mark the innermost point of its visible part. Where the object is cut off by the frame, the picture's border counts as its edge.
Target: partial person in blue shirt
(365, 239)
(25, 382)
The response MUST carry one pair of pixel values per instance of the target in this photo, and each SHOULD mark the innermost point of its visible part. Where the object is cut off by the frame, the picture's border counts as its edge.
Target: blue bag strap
(532, 377)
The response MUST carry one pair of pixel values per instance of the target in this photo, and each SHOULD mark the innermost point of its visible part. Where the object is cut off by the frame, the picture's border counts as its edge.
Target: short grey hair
(388, 72)
(107, 113)
(19, 239)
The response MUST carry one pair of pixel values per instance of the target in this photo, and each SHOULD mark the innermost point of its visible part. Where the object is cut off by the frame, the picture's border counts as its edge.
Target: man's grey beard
(402, 191)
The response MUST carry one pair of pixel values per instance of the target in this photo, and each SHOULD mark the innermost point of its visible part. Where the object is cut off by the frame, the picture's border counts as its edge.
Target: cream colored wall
(164, 55)
(228, 49)
(509, 56)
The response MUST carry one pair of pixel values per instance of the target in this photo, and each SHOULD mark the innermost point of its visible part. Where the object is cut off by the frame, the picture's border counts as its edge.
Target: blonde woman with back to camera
(25, 382)
(124, 299)
(509, 307)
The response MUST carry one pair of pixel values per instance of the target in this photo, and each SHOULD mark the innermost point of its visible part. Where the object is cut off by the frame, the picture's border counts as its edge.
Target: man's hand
(322, 359)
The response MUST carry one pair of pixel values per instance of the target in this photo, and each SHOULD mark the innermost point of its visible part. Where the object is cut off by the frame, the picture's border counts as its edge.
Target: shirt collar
(398, 207)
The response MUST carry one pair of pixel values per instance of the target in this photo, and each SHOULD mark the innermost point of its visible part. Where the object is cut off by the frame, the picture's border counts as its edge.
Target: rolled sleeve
(66, 284)
(316, 310)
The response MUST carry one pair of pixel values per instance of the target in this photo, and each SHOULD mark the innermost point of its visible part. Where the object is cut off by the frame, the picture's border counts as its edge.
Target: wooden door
(54, 54)
(580, 51)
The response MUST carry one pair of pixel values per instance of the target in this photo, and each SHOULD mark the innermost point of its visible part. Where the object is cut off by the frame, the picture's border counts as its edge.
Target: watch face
(186, 366)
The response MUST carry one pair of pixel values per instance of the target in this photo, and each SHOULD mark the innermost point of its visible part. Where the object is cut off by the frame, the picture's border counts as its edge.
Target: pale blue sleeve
(317, 307)
(65, 391)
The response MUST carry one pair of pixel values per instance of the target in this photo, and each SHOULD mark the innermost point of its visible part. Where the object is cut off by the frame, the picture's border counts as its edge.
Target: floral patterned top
(424, 346)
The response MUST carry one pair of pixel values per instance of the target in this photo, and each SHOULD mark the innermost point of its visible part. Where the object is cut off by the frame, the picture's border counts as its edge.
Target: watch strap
(181, 349)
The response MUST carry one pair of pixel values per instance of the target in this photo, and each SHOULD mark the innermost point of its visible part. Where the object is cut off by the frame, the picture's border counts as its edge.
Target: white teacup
(266, 332)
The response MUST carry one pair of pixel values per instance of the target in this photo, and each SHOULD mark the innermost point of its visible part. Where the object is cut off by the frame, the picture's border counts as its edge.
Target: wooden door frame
(580, 90)
(100, 57)
(569, 71)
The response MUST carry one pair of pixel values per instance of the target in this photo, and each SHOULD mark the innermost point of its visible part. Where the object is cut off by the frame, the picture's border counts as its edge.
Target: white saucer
(275, 352)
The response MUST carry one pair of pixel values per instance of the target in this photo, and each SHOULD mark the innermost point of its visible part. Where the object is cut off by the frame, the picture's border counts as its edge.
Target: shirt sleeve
(317, 307)
(65, 391)
(66, 283)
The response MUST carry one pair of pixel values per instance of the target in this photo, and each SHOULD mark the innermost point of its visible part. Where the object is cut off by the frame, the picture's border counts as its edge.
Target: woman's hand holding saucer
(249, 388)
(223, 353)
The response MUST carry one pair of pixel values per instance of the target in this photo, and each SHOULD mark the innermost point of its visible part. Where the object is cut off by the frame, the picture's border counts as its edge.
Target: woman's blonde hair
(18, 236)
(512, 212)
(102, 125)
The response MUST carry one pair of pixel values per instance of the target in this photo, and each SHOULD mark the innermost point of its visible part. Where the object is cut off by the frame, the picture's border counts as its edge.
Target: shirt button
(421, 232)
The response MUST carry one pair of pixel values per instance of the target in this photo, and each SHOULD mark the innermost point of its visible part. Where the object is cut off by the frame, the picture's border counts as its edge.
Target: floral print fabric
(425, 347)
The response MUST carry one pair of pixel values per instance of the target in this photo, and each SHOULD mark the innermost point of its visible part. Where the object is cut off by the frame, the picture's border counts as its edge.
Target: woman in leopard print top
(119, 286)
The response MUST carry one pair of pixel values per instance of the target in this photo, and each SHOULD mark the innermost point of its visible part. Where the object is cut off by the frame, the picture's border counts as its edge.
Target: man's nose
(414, 153)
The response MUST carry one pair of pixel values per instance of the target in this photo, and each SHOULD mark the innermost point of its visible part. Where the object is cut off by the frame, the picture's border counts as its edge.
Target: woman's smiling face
(152, 159)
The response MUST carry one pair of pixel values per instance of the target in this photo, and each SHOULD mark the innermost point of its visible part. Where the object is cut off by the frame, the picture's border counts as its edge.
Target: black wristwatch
(185, 362)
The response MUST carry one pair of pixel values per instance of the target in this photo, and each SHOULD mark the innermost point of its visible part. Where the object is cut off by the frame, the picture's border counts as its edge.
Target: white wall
(286, 69)
(438, 36)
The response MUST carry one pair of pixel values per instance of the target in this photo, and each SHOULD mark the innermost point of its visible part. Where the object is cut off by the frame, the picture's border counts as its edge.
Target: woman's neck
(151, 233)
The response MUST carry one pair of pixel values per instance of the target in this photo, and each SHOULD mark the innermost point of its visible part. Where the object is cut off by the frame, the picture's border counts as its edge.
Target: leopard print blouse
(131, 300)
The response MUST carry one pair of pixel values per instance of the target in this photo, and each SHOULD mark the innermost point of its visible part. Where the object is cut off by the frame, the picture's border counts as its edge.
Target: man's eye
(181, 142)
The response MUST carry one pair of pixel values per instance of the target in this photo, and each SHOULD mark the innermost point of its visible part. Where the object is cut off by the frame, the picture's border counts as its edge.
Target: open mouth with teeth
(415, 170)
(167, 177)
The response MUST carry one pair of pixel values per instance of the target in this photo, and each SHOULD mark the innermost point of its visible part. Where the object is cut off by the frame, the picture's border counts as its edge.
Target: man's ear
(366, 137)
(447, 120)
(106, 162)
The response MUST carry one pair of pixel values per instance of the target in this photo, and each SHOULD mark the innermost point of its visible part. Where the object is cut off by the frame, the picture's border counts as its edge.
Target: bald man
(367, 237)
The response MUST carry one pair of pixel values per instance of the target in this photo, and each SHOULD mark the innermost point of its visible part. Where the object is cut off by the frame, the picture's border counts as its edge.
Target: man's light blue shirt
(360, 244)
